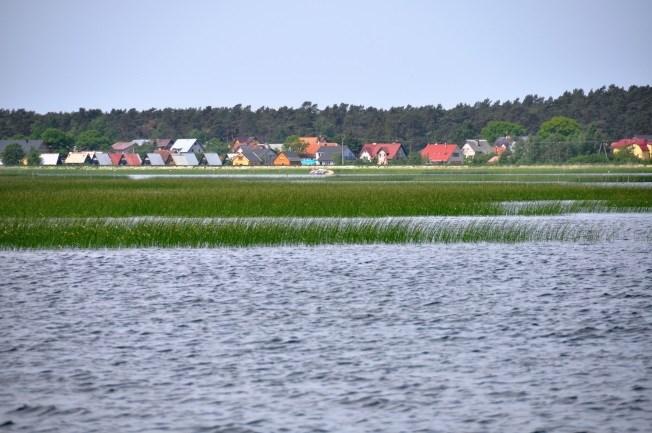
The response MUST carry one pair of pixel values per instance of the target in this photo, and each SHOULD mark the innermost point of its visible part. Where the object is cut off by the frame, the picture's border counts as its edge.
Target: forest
(601, 115)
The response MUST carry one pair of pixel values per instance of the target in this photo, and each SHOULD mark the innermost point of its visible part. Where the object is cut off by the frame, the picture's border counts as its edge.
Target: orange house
(287, 159)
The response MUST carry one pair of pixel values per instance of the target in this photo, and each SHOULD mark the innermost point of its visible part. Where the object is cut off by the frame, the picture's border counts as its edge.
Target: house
(80, 158)
(187, 145)
(287, 159)
(103, 159)
(243, 141)
(211, 159)
(639, 147)
(51, 159)
(26, 145)
(154, 159)
(163, 143)
(329, 155)
(123, 146)
(312, 145)
(252, 155)
(117, 159)
(188, 159)
(133, 160)
(382, 153)
(472, 148)
(444, 153)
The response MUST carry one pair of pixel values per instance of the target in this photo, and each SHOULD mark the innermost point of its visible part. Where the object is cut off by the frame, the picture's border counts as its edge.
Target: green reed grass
(109, 233)
(29, 197)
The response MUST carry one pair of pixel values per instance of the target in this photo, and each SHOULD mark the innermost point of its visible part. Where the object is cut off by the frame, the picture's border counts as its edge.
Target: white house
(476, 147)
(187, 145)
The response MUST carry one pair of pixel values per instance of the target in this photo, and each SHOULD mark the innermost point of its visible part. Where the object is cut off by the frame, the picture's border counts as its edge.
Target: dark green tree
(501, 128)
(92, 139)
(33, 158)
(12, 154)
(57, 140)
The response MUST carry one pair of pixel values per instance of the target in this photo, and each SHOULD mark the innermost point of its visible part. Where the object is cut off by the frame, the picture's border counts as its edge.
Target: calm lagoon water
(545, 337)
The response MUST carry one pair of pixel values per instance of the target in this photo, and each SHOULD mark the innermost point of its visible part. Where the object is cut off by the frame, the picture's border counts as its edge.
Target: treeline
(605, 114)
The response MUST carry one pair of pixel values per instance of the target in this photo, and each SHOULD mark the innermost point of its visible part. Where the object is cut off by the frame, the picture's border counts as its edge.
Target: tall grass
(107, 197)
(112, 233)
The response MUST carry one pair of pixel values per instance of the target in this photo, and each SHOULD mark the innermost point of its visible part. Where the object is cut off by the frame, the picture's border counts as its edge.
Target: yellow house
(637, 146)
(239, 159)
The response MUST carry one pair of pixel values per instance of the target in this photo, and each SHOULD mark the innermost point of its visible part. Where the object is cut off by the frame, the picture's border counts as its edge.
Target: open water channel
(531, 337)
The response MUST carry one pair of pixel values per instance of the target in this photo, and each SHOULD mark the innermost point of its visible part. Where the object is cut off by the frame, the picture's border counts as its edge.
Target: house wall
(365, 156)
(240, 161)
(468, 151)
(281, 160)
(636, 151)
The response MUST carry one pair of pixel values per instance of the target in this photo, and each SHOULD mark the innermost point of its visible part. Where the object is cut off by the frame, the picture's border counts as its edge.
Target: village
(315, 151)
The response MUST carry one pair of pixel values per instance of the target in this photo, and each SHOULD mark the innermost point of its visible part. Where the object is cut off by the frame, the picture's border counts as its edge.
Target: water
(433, 338)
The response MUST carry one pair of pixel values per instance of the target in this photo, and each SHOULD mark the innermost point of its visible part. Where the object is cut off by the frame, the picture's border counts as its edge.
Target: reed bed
(180, 232)
(28, 197)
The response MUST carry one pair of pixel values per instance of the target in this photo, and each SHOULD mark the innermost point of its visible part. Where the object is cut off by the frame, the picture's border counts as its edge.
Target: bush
(13, 154)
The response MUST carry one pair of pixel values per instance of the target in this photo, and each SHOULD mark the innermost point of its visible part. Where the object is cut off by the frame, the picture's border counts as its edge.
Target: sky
(65, 54)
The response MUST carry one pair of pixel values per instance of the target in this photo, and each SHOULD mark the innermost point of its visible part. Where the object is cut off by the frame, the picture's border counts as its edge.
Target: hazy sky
(60, 55)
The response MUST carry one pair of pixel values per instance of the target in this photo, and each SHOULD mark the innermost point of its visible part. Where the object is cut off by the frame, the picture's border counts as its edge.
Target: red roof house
(640, 147)
(133, 159)
(382, 152)
(123, 146)
(117, 158)
(442, 153)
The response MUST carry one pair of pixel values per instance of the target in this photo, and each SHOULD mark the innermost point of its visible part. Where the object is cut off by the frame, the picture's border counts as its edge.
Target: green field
(50, 208)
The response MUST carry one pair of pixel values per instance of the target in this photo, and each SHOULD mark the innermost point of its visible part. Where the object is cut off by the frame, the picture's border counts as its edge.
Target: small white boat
(321, 172)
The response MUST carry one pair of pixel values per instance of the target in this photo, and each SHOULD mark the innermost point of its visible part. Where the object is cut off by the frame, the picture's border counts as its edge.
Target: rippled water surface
(434, 338)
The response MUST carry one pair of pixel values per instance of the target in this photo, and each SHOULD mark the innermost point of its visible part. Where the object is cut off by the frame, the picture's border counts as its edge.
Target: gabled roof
(103, 159)
(329, 153)
(291, 156)
(26, 145)
(133, 159)
(212, 159)
(313, 144)
(257, 155)
(479, 146)
(155, 159)
(185, 159)
(391, 149)
(504, 141)
(78, 157)
(165, 154)
(116, 158)
(439, 152)
(183, 145)
(626, 142)
(121, 146)
(50, 158)
(163, 142)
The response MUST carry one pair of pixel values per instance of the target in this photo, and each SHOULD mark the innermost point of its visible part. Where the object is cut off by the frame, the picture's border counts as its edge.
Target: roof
(373, 148)
(103, 159)
(155, 159)
(183, 145)
(26, 145)
(78, 157)
(626, 142)
(291, 156)
(121, 146)
(212, 159)
(133, 159)
(479, 146)
(328, 153)
(257, 155)
(439, 152)
(49, 158)
(504, 141)
(185, 159)
(165, 154)
(276, 146)
(116, 158)
(313, 144)
(163, 142)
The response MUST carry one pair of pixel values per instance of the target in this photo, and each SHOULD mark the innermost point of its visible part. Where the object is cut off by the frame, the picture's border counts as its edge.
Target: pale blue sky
(65, 54)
